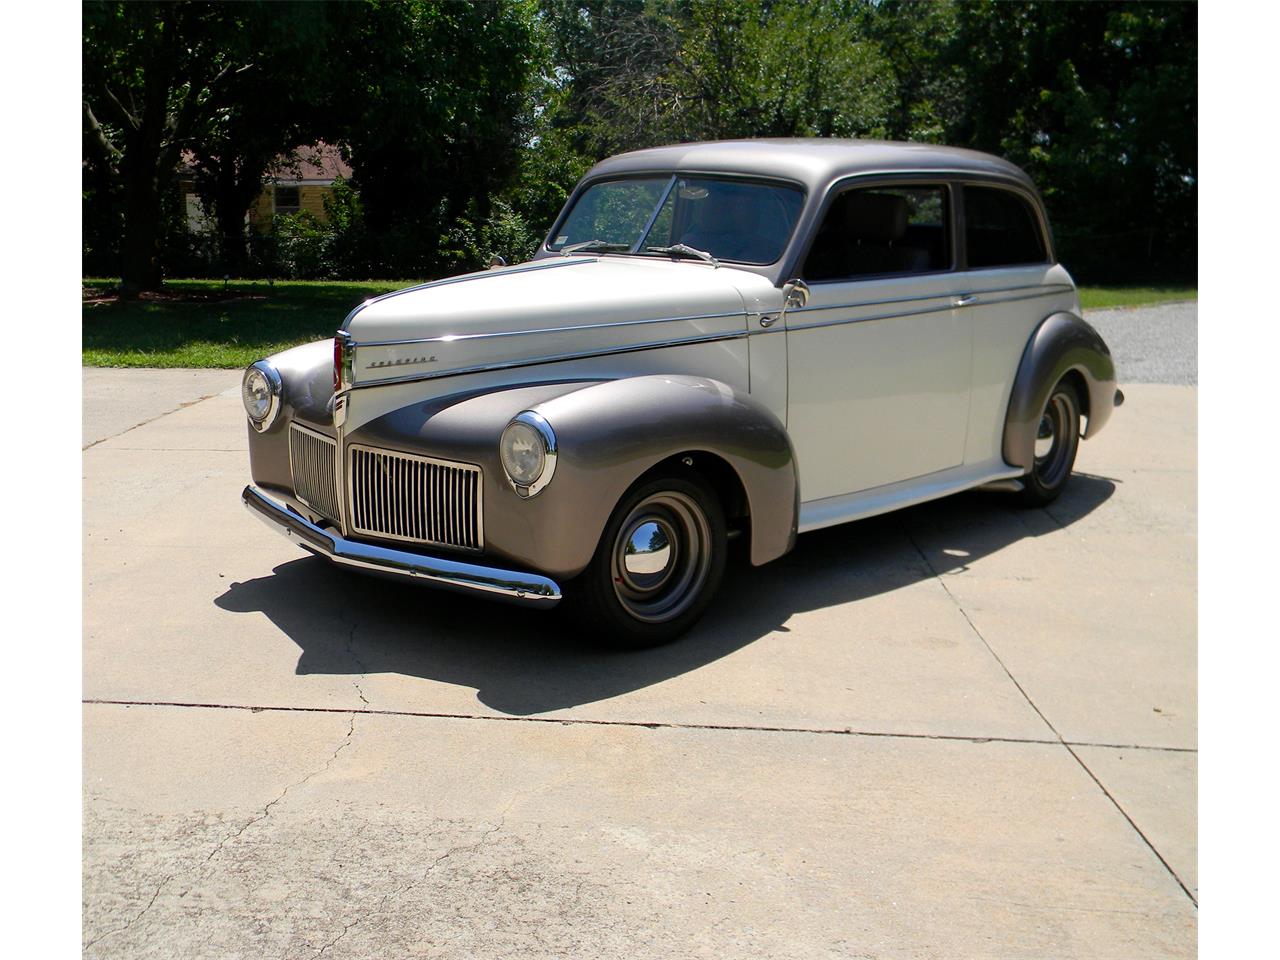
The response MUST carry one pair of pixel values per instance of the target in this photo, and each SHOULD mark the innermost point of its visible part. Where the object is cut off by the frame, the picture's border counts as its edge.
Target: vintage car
(746, 340)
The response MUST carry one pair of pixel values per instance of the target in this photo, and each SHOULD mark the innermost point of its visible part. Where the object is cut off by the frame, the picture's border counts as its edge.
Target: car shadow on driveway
(529, 662)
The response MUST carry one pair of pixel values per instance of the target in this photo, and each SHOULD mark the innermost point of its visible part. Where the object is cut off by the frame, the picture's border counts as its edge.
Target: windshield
(731, 220)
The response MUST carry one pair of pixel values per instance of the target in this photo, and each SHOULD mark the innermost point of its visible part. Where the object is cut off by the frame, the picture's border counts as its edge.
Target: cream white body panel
(723, 360)
(878, 383)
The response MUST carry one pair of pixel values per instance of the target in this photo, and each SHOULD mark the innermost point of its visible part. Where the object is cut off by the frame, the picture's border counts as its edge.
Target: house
(299, 183)
(294, 184)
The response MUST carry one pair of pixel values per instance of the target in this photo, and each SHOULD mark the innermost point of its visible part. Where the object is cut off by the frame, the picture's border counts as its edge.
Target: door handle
(768, 320)
(966, 300)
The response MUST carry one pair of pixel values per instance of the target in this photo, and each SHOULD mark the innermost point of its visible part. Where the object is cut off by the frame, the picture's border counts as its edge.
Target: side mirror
(795, 294)
(497, 262)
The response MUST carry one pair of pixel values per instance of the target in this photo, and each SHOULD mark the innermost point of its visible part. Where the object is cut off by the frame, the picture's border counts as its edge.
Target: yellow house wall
(310, 198)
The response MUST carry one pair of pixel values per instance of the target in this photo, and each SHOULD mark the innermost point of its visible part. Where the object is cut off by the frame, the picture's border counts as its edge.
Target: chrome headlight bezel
(535, 422)
(275, 387)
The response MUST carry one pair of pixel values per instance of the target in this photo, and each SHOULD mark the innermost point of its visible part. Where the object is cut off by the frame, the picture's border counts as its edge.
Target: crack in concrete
(1040, 713)
(266, 811)
(406, 887)
(229, 838)
(136, 917)
(643, 724)
(355, 658)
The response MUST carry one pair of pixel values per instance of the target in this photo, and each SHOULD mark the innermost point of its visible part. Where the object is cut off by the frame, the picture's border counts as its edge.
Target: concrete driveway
(965, 730)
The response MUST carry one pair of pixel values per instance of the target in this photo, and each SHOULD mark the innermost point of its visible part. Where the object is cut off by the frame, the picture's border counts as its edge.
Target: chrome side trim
(843, 321)
(1044, 288)
(531, 589)
(949, 305)
(453, 338)
(557, 358)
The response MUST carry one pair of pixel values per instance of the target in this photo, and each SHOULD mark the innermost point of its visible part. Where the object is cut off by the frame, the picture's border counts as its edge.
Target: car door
(1014, 284)
(879, 358)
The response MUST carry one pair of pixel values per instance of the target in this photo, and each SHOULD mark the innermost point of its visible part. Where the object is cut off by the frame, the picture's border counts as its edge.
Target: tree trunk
(229, 209)
(140, 251)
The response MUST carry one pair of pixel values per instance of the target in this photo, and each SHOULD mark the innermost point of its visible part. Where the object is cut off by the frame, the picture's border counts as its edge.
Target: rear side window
(1000, 229)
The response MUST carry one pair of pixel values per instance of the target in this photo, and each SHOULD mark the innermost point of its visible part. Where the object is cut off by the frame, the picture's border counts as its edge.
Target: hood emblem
(404, 361)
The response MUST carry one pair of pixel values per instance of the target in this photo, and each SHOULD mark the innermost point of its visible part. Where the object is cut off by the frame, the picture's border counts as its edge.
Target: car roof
(814, 162)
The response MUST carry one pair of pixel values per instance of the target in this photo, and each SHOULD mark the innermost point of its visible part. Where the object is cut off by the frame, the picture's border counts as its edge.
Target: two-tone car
(747, 339)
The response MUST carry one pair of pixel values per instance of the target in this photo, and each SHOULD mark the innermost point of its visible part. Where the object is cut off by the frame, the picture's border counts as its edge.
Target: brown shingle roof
(319, 162)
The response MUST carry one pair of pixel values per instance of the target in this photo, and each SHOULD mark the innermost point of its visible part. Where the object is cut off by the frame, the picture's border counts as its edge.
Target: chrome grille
(313, 460)
(404, 497)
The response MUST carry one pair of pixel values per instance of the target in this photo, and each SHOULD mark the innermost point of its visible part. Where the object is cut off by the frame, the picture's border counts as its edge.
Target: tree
(434, 102)
(273, 105)
(643, 73)
(154, 76)
(1097, 101)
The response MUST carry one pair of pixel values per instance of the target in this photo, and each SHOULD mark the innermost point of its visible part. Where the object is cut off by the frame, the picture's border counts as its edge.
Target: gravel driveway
(1151, 344)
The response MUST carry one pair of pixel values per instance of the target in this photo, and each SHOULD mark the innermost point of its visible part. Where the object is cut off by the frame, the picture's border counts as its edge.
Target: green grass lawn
(202, 323)
(230, 327)
(1100, 298)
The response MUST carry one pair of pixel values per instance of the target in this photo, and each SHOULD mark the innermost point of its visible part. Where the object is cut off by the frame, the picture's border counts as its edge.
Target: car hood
(545, 310)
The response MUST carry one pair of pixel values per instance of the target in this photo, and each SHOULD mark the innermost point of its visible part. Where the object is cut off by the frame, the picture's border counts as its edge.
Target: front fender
(1063, 343)
(306, 376)
(609, 434)
(614, 432)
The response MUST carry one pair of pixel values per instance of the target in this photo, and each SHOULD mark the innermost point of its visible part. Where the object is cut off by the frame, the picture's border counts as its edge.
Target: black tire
(618, 601)
(1057, 440)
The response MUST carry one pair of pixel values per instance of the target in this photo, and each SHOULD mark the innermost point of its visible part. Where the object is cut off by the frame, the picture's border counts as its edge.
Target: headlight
(528, 450)
(260, 392)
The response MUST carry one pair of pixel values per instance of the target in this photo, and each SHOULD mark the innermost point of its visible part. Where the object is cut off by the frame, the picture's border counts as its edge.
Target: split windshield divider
(657, 211)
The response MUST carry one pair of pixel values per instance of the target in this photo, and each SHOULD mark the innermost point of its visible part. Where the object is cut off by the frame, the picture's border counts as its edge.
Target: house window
(287, 200)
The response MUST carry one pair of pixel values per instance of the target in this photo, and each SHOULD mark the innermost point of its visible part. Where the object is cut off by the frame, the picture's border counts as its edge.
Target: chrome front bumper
(530, 589)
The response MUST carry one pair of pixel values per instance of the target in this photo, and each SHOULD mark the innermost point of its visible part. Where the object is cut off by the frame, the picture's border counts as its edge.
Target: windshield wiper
(600, 246)
(684, 250)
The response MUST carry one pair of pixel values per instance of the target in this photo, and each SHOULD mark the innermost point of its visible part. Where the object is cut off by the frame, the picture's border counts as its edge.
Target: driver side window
(882, 231)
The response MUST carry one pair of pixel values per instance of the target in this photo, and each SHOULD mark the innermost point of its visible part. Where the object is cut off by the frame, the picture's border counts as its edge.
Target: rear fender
(1063, 343)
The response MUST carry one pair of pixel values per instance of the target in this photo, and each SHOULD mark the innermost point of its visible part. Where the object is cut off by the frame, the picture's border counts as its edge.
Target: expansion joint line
(637, 724)
(1068, 746)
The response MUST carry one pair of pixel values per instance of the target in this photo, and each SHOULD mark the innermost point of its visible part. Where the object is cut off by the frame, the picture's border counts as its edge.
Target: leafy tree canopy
(467, 123)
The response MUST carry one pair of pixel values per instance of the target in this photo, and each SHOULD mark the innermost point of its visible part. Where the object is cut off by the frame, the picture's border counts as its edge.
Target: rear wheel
(657, 567)
(1057, 440)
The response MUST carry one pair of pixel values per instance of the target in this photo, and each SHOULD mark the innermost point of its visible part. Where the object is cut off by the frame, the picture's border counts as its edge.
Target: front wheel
(1057, 439)
(657, 567)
